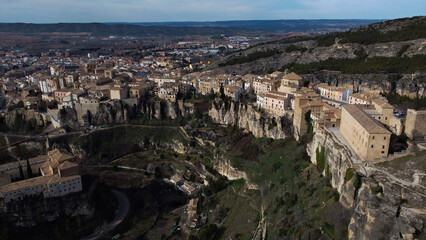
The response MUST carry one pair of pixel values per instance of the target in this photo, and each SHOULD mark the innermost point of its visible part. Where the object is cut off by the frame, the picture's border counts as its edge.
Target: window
(384, 138)
(373, 137)
(383, 152)
(372, 146)
(383, 147)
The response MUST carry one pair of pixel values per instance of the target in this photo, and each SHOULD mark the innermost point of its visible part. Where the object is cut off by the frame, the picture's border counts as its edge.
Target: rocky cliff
(22, 119)
(247, 117)
(384, 204)
(410, 85)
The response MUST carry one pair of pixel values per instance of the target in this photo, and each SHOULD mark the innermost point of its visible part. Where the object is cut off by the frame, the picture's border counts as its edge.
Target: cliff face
(248, 118)
(410, 85)
(383, 205)
(21, 118)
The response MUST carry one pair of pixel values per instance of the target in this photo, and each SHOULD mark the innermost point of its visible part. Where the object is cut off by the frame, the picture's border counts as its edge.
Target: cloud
(201, 10)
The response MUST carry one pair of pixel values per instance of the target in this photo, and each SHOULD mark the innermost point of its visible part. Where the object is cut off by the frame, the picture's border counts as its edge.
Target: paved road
(123, 210)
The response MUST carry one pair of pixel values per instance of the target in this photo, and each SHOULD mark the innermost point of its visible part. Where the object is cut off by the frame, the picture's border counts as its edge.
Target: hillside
(99, 29)
(395, 46)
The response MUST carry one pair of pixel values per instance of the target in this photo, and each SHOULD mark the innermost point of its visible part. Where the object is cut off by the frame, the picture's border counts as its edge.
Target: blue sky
(50, 11)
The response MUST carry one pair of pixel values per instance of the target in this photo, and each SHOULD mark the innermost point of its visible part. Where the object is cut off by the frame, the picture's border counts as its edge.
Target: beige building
(205, 87)
(359, 98)
(118, 92)
(328, 117)
(366, 136)
(415, 124)
(385, 110)
(263, 86)
(303, 104)
(291, 83)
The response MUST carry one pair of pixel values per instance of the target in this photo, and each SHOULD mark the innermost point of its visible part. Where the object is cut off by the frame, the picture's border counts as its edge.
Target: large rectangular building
(367, 137)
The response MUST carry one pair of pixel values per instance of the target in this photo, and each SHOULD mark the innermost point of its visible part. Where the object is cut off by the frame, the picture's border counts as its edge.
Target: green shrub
(357, 182)
(320, 159)
(250, 57)
(294, 48)
(349, 174)
(376, 189)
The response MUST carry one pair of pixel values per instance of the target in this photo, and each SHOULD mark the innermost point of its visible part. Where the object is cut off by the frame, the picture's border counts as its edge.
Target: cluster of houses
(181, 181)
(277, 94)
(365, 123)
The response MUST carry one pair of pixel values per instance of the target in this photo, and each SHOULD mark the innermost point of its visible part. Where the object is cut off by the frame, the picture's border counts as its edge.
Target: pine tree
(222, 92)
(21, 172)
(29, 170)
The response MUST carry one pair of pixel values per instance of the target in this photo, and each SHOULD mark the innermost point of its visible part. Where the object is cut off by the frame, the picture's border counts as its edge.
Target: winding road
(123, 210)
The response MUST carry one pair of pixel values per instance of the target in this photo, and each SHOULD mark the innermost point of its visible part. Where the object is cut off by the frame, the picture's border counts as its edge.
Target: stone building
(263, 86)
(303, 104)
(291, 83)
(415, 124)
(366, 136)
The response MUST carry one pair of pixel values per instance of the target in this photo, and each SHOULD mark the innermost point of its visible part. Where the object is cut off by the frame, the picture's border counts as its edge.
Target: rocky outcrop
(247, 117)
(382, 209)
(21, 118)
(224, 168)
(410, 85)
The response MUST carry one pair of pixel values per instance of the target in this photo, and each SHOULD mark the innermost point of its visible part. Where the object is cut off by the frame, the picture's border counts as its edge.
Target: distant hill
(100, 29)
(395, 46)
(273, 25)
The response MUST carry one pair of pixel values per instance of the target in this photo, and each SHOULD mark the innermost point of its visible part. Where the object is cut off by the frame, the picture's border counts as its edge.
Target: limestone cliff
(22, 118)
(410, 85)
(384, 205)
(247, 117)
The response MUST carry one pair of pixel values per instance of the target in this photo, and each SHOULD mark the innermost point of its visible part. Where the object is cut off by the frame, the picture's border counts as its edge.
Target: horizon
(136, 11)
(214, 21)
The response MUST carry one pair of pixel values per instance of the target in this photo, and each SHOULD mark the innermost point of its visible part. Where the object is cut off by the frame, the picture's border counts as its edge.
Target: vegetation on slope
(116, 142)
(250, 57)
(400, 30)
(363, 66)
(298, 200)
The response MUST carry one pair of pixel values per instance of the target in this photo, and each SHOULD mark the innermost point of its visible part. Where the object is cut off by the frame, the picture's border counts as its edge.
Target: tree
(208, 232)
(21, 172)
(29, 170)
(308, 121)
(222, 92)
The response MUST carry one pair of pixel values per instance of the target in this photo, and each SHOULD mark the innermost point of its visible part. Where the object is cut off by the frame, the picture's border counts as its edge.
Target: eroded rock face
(21, 116)
(224, 168)
(394, 212)
(248, 118)
(410, 85)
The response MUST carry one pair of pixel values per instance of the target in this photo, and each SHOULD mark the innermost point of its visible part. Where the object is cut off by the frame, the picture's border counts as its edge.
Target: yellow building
(367, 137)
(303, 104)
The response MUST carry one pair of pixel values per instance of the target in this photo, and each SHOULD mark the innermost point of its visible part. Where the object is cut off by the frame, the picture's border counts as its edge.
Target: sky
(53, 11)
